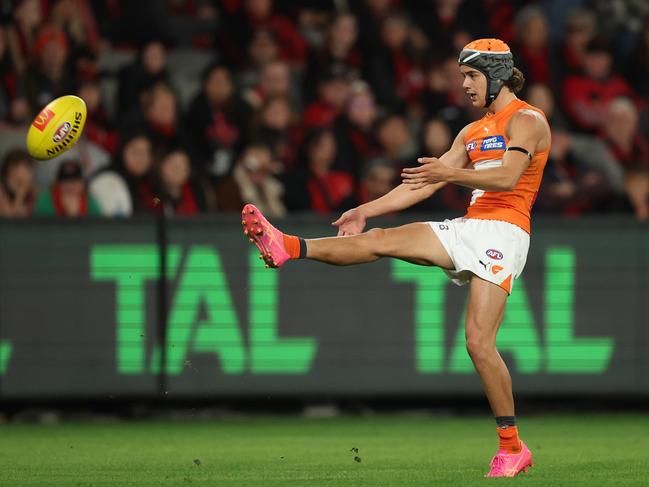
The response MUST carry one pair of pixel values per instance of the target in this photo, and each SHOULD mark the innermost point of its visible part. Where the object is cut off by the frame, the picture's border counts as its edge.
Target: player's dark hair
(516, 82)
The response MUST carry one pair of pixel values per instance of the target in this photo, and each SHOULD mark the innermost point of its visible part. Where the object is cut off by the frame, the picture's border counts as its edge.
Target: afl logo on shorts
(61, 132)
(494, 254)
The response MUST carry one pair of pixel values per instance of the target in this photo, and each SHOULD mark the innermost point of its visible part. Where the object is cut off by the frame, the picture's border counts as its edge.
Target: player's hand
(352, 222)
(431, 171)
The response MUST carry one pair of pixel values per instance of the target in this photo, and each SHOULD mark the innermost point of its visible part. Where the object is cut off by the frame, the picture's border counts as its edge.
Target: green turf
(398, 451)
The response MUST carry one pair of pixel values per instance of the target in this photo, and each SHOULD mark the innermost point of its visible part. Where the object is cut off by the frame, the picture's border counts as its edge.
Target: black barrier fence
(126, 308)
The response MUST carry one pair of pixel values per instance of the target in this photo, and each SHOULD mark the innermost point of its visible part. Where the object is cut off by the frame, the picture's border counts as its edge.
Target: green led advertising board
(80, 315)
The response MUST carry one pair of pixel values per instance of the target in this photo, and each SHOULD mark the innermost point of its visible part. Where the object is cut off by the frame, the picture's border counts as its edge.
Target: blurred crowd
(197, 106)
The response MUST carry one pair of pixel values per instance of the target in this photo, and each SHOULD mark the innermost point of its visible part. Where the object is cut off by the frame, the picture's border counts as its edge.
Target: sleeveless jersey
(485, 142)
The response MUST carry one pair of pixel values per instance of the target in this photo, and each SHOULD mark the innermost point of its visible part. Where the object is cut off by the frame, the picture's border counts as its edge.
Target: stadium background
(126, 290)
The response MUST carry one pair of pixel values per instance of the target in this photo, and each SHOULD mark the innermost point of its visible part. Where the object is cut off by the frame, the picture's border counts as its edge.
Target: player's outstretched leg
(415, 242)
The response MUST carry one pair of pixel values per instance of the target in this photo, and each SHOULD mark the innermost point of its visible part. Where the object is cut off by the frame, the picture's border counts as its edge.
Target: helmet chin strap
(493, 90)
(490, 97)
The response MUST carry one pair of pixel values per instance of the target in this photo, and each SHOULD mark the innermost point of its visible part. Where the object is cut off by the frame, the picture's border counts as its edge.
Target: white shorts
(493, 250)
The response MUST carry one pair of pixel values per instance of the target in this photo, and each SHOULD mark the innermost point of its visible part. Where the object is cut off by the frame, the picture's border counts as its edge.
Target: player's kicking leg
(415, 243)
(484, 315)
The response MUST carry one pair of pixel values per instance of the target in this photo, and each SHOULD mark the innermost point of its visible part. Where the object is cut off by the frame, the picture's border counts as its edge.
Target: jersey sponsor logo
(496, 142)
(61, 132)
(43, 118)
(494, 254)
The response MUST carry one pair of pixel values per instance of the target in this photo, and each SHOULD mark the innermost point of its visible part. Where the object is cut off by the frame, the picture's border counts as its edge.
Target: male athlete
(505, 151)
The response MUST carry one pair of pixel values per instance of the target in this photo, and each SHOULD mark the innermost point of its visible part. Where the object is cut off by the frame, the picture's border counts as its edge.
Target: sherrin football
(57, 127)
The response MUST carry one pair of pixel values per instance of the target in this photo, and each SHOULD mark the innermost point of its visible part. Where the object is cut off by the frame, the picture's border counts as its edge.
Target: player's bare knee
(377, 241)
(478, 350)
(479, 345)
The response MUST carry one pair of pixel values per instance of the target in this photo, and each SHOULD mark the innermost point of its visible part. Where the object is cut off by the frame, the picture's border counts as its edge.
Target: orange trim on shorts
(507, 284)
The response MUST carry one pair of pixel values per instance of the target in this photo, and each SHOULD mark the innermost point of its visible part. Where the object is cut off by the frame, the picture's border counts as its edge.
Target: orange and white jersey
(485, 142)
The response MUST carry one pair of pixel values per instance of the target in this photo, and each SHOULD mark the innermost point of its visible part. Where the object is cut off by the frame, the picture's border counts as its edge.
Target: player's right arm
(353, 221)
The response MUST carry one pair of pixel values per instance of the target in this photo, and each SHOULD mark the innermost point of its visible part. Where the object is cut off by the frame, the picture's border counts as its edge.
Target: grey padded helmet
(492, 58)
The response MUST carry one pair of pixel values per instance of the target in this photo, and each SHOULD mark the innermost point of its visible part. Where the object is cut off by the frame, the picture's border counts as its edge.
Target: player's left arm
(526, 130)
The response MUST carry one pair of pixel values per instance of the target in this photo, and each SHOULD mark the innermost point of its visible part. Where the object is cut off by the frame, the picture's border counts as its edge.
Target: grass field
(247, 451)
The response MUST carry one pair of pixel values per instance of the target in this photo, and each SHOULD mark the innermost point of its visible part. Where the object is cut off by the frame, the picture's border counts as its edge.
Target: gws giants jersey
(485, 142)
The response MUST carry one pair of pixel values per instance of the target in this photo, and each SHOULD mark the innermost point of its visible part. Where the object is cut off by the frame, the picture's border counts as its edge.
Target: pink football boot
(266, 237)
(510, 464)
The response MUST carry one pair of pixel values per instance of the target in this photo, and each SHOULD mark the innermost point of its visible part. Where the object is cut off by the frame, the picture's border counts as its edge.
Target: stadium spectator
(135, 164)
(187, 22)
(262, 50)
(17, 190)
(581, 175)
(443, 95)
(586, 96)
(397, 141)
(379, 178)
(316, 186)
(620, 132)
(499, 18)
(99, 129)
(620, 20)
(355, 130)
(533, 50)
(68, 197)
(258, 14)
(176, 193)
(339, 50)
(159, 118)
(252, 181)
(542, 96)
(580, 30)
(436, 139)
(276, 126)
(276, 79)
(217, 122)
(111, 194)
(444, 19)
(371, 14)
(148, 69)
(631, 150)
(391, 68)
(76, 19)
(125, 187)
(27, 17)
(46, 77)
(333, 93)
